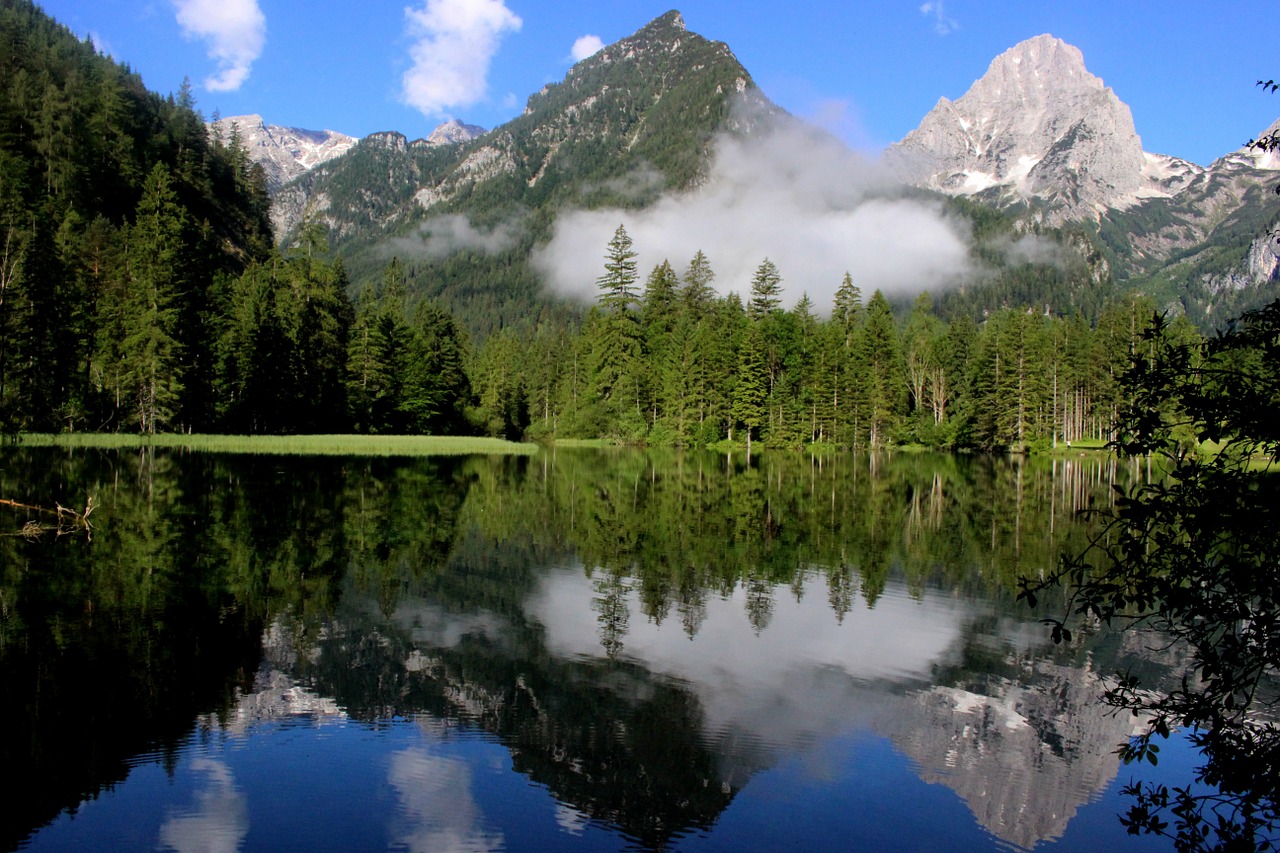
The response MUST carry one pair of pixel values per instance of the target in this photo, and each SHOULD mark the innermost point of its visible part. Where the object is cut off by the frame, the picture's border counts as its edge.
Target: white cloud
(585, 46)
(787, 686)
(791, 193)
(218, 821)
(943, 24)
(236, 32)
(454, 42)
(442, 236)
(438, 811)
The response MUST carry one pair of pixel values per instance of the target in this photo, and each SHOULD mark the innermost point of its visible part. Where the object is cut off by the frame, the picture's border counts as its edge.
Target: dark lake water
(582, 650)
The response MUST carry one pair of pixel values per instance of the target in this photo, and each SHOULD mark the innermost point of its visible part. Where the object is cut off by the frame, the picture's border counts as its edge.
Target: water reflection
(437, 811)
(219, 820)
(645, 635)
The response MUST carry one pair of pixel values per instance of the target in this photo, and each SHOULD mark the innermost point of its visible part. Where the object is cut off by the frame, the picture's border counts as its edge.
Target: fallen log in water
(67, 519)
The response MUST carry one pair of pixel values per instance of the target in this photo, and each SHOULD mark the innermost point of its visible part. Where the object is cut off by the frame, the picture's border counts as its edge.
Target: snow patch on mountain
(1038, 126)
(1255, 158)
(288, 152)
(284, 152)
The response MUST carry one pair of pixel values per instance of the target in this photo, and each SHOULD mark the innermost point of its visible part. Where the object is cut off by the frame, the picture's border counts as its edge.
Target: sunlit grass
(290, 445)
(1082, 444)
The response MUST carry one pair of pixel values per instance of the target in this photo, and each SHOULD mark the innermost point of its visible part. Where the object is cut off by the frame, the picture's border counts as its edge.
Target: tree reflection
(402, 587)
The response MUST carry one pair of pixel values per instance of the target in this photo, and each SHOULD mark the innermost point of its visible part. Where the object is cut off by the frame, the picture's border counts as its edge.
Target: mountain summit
(284, 152)
(1038, 126)
(636, 119)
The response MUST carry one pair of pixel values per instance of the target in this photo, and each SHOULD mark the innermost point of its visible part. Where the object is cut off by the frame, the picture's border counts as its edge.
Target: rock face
(288, 152)
(453, 131)
(284, 152)
(1038, 127)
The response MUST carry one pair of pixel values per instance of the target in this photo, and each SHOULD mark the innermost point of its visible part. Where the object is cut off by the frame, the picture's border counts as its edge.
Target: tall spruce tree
(750, 392)
(618, 283)
(886, 385)
(155, 272)
(616, 340)
(698, 293)
(766, 290)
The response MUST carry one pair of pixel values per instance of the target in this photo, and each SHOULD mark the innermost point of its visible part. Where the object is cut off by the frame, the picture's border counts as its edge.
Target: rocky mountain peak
(1037, 126)
(453, 131)
(1256, 158)
(284, 152)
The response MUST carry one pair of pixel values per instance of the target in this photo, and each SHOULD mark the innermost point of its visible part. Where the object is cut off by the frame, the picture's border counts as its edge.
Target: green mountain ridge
(633, 121)
(1208, 250)
(638, 121)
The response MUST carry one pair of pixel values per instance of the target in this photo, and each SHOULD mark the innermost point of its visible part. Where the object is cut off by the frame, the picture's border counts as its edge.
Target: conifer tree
(618, 283)
(766, 290)
(658, 319)
(751, 389)
(886, 387)
(848, 307)
(698, 294)
(616, 339)
(151, 350)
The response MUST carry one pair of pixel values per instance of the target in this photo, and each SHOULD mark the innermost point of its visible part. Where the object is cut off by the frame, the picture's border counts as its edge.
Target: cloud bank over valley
(793, 194)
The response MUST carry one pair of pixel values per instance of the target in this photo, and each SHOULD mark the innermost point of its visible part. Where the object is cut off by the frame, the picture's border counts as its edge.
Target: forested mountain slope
(117, 216)
(625, 125)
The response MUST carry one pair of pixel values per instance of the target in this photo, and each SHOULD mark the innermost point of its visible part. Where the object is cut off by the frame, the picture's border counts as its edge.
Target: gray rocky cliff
(1024, 757)
(284, 152)
(1038, 127)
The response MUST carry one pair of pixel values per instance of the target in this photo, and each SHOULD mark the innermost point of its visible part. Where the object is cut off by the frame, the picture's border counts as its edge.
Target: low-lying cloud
(454, 42)
(442, 236)
(791, 193)
(1034, 249)
(236, 32)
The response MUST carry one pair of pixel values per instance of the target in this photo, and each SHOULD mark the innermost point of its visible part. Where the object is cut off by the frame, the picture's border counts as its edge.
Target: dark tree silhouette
(1194, 556)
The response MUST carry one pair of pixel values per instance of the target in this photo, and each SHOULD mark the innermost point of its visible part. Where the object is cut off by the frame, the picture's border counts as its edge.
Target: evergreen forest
(141, 290)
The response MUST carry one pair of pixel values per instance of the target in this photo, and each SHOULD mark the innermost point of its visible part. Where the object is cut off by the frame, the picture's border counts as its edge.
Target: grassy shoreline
(287, 445)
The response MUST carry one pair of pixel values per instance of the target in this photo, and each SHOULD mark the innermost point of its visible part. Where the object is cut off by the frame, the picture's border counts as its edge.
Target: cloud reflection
(438, 812)
(805, 676)
(220, 820)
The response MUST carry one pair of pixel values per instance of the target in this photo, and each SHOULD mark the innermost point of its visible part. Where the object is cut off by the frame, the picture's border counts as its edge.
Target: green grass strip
(290, 445)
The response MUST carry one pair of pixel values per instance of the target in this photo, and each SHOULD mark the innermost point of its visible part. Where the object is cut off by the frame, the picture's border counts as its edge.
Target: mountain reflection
(643, 633)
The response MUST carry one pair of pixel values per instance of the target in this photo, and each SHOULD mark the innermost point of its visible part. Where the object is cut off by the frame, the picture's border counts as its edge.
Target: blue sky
(869, 71)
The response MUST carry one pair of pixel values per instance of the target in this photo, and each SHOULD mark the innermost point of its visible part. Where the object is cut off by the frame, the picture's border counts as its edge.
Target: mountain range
(1038, 138)
(1040, 135)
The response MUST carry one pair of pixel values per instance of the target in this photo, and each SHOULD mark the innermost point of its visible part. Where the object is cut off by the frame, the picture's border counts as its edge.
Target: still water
(580, 650)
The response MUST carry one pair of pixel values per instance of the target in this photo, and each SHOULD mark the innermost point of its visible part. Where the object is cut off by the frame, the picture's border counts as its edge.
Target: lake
(579, 650)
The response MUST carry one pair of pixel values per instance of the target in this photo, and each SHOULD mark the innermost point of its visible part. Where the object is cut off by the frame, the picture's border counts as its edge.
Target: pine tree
(886, 385)
(698, 294)
(618, 283)
(151, 351)
(766, 290)
(658, 320)
(751, 389)
(616, 341)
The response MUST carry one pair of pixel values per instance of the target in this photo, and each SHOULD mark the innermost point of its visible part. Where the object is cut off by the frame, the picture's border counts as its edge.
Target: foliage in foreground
(1195, 558)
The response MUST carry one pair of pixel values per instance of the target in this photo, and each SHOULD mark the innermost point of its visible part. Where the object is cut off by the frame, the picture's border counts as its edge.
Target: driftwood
(65, 519)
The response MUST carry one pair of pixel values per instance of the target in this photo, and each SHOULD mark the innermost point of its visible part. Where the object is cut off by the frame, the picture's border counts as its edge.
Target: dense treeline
(140, 291)
(673, 363)
(118, 216)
